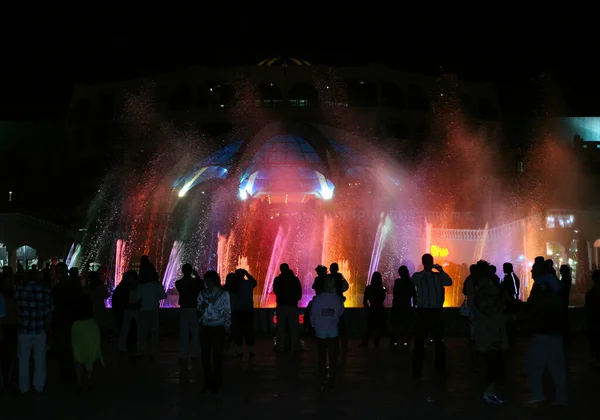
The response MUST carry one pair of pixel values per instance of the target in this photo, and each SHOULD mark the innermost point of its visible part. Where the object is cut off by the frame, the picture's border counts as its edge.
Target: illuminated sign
(300, 319)
(437, 251)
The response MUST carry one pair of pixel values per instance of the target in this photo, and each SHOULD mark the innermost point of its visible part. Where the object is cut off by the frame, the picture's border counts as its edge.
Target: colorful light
(120, 260)
(437, 251)
(190, 183)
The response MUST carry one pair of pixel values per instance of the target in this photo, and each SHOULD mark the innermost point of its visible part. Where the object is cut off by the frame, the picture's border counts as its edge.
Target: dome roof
(283, 62)
(282, 161)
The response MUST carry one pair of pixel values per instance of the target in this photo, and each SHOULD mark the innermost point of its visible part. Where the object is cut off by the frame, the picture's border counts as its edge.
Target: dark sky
(41, 60)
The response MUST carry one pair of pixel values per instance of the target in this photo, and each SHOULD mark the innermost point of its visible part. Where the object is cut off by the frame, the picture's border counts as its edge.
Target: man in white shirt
(430, 301)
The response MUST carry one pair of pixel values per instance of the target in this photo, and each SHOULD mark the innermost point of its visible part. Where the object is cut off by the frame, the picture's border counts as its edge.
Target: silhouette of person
(403, 303)
(341, 285)
(189, 287)
(328, 307)
(243, 311)
(592, 312)
(547, 323)
(430, 301)
(373, 301)
(288, 292)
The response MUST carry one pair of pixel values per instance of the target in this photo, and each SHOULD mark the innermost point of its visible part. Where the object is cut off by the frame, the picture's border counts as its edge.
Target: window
(302, 95)
(398, 131)
(361, 93)
(80, 112)
(560, 221)
(417, 99)
(221, 95)
(203, 96)
(332, 97)
(392, 95)
(216, 129)
(106, 107)
(466, 102)
(421, 132)
(269, 95)
(487, 110)
(78, 137)
(181, 98)
(99, 135)
(162, 95)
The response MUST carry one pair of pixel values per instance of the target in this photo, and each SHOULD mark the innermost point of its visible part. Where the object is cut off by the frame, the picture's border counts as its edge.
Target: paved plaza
(373, 384)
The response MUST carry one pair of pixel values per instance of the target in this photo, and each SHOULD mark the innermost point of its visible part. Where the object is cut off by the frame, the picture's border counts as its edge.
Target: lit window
(560, 221)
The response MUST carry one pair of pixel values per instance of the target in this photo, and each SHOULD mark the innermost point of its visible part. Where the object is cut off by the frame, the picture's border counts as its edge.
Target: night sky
(43, 60)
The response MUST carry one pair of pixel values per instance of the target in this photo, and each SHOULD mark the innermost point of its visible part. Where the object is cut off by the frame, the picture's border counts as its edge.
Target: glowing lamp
(247, 186)
(325, 187)
(437, 251)
(190, 183)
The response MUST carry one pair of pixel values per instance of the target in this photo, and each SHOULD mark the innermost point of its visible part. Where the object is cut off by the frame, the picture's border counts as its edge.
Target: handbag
(465, 309)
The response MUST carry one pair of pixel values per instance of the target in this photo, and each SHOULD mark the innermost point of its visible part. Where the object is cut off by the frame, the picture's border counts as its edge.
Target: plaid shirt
(35, 308)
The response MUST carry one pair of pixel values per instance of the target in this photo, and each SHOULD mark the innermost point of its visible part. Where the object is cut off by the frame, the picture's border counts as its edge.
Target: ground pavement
(373, 384)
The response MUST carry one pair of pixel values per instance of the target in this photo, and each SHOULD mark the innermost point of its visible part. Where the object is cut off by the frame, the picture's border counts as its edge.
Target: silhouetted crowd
(62, 312)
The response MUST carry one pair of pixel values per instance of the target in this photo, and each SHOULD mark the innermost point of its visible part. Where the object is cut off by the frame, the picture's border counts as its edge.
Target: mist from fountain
(120, 262)
(73, 258)
(173, 267)
(383, 230)
(480, 245)
(273, 269)
(144, 206)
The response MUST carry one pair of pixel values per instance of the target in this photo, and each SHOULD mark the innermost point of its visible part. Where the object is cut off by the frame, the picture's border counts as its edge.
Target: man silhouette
(430, 301)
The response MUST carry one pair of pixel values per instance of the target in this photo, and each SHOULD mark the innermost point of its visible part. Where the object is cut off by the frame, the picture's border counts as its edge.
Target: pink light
(173, 266)
(276, 256)
(120, 261)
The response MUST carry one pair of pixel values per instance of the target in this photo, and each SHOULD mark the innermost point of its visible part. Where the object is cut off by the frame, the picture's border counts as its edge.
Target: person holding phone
(430, 301)
(243, 311)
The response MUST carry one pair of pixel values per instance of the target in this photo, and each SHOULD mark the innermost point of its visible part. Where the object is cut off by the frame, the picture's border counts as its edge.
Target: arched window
(466, 103)
(106, 107)
(361, 93)
(487, 110)
(80, 112)
(421, 132)
(26, 258)
(302, 95)
(417, 99)
(269, 95)
(181, 98)
(221, 95)
(216, 129)
(162, 94)
(392, 95)
(397, 131)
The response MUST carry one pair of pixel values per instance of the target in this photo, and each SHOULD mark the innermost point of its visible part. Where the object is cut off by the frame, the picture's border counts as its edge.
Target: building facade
(385, 102)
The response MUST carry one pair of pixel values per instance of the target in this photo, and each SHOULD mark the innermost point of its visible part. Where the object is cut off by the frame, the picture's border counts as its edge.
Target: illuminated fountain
(309, 194)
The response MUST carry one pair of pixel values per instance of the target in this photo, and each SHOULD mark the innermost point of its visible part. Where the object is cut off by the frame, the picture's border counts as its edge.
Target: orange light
(300, 319)
(437, 251)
